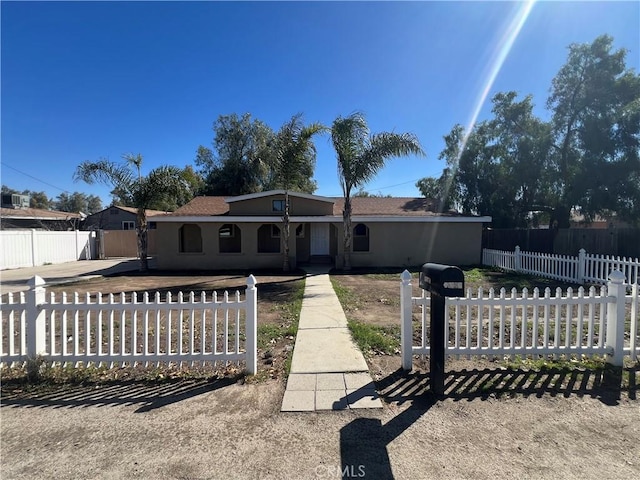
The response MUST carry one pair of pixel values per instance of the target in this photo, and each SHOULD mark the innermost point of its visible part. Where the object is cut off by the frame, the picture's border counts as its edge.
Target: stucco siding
(263, 206)
(390, 244)
(397, 244)
(170, 258)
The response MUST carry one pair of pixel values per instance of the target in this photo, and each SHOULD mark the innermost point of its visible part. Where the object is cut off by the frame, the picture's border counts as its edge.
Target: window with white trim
(277, 205)
(128, 225)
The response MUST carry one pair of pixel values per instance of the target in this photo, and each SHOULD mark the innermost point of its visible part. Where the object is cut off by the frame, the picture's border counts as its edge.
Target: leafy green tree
(293, 162)
(438, 189)
(9, 191)
(143, 191)
(78, 202)
(239, 162)
(522, 146)
(39, 200)
(361, 155)
(516, 167)
(595, 101)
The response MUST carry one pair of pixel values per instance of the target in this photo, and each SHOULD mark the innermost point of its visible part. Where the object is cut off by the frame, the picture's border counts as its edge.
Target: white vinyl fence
(585, 268)
(30, 248)
(599, 321)
(129, 329)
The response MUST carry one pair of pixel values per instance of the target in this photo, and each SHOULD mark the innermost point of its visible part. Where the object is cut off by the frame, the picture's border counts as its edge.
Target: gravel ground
(229, 430)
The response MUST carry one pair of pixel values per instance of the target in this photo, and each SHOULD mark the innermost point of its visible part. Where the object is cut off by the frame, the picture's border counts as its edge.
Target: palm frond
(350, 136)
(294, 150)
(383, 146)
(159, 184)
(106, 172)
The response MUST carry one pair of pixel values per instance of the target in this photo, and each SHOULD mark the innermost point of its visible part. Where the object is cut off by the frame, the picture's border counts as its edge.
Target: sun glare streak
(497, 61)
(506, 42)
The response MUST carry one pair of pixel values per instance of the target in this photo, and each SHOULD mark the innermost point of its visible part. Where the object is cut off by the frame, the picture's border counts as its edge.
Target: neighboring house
(599, 221)
(211, 233)
(117, 217)
(38, 218)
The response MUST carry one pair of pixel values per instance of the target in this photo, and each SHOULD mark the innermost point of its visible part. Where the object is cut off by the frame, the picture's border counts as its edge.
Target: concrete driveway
(15, 280)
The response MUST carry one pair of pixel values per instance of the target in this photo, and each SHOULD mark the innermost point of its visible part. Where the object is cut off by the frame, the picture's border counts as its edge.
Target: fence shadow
(363, 442)
(605, 384)
(148, 396)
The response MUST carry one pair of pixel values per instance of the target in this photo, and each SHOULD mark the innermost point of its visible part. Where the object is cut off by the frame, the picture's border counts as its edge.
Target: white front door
(319, 239)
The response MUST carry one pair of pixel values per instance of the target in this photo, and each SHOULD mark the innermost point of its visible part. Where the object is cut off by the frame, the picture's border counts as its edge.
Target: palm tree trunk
(346, 216)
(141, 231)
(285, 232)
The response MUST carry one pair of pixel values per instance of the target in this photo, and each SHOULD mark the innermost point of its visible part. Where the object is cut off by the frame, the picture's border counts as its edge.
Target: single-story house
(211, 233)
(117, 217)
(38, 218)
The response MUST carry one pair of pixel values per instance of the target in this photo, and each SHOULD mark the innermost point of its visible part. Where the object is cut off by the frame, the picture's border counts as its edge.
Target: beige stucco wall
(390, 244)
(400, 244)
(297, 206)
(169, 258)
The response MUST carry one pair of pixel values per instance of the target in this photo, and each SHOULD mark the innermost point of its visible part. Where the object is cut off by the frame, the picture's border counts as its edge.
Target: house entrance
(319, 239)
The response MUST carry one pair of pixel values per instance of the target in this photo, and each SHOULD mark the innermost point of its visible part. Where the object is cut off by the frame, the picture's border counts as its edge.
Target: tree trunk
(141, 231)
(285, 232)
(346, 216)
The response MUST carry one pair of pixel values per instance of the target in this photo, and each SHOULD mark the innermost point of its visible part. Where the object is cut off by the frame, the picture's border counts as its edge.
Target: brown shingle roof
(398, 206)
(203, 206)
(37, 213)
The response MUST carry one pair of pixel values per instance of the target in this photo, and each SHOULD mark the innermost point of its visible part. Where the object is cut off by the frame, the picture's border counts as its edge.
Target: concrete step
(321, 260)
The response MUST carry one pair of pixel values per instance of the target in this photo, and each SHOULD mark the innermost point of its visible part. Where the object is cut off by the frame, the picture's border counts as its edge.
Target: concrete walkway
(328, 371)
(15, 280)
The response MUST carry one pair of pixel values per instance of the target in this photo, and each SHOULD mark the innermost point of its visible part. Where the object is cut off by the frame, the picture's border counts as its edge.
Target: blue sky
(84, 80)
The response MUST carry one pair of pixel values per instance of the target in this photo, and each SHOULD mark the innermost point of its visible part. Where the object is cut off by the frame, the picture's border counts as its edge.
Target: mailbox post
(441, 281)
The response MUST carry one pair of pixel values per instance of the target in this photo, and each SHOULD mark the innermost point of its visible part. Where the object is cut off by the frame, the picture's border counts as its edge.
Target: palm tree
(141, 192)
(294, 152)
(361, 155)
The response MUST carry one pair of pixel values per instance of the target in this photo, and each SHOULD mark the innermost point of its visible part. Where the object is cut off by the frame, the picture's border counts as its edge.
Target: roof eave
(271, 193)
(319, 219)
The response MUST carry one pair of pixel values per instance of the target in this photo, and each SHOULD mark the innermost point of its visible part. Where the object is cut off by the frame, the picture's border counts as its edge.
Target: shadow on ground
(148, 396)
(363, 442)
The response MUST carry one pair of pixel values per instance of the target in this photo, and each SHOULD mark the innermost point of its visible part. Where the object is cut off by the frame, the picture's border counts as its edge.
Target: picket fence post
(406, 321)
(251, 327)
(517, 260)
(582, 266)
(615, 317)
(33, 247)
(35, 317)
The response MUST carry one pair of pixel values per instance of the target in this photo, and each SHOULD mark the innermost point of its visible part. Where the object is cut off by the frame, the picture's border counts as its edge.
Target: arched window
(269, 238)
(230, 238)
(190, 238)
(361, 238)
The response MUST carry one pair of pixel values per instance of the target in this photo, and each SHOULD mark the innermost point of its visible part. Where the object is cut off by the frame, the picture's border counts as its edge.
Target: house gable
(272, 203)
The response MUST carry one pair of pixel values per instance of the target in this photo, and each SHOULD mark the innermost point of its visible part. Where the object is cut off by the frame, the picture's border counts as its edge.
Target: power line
(383, 188)
(35, 178)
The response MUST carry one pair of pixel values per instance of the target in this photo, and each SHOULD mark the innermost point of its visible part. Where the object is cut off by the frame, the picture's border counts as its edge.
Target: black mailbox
(443, 280)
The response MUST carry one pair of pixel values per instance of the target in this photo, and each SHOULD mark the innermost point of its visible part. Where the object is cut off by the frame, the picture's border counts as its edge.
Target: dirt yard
(492, 423)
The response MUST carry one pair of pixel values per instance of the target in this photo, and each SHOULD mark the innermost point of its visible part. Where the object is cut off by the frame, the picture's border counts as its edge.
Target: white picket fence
(30, 248)
(587, 322)
(130, 329)
(585, 268)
